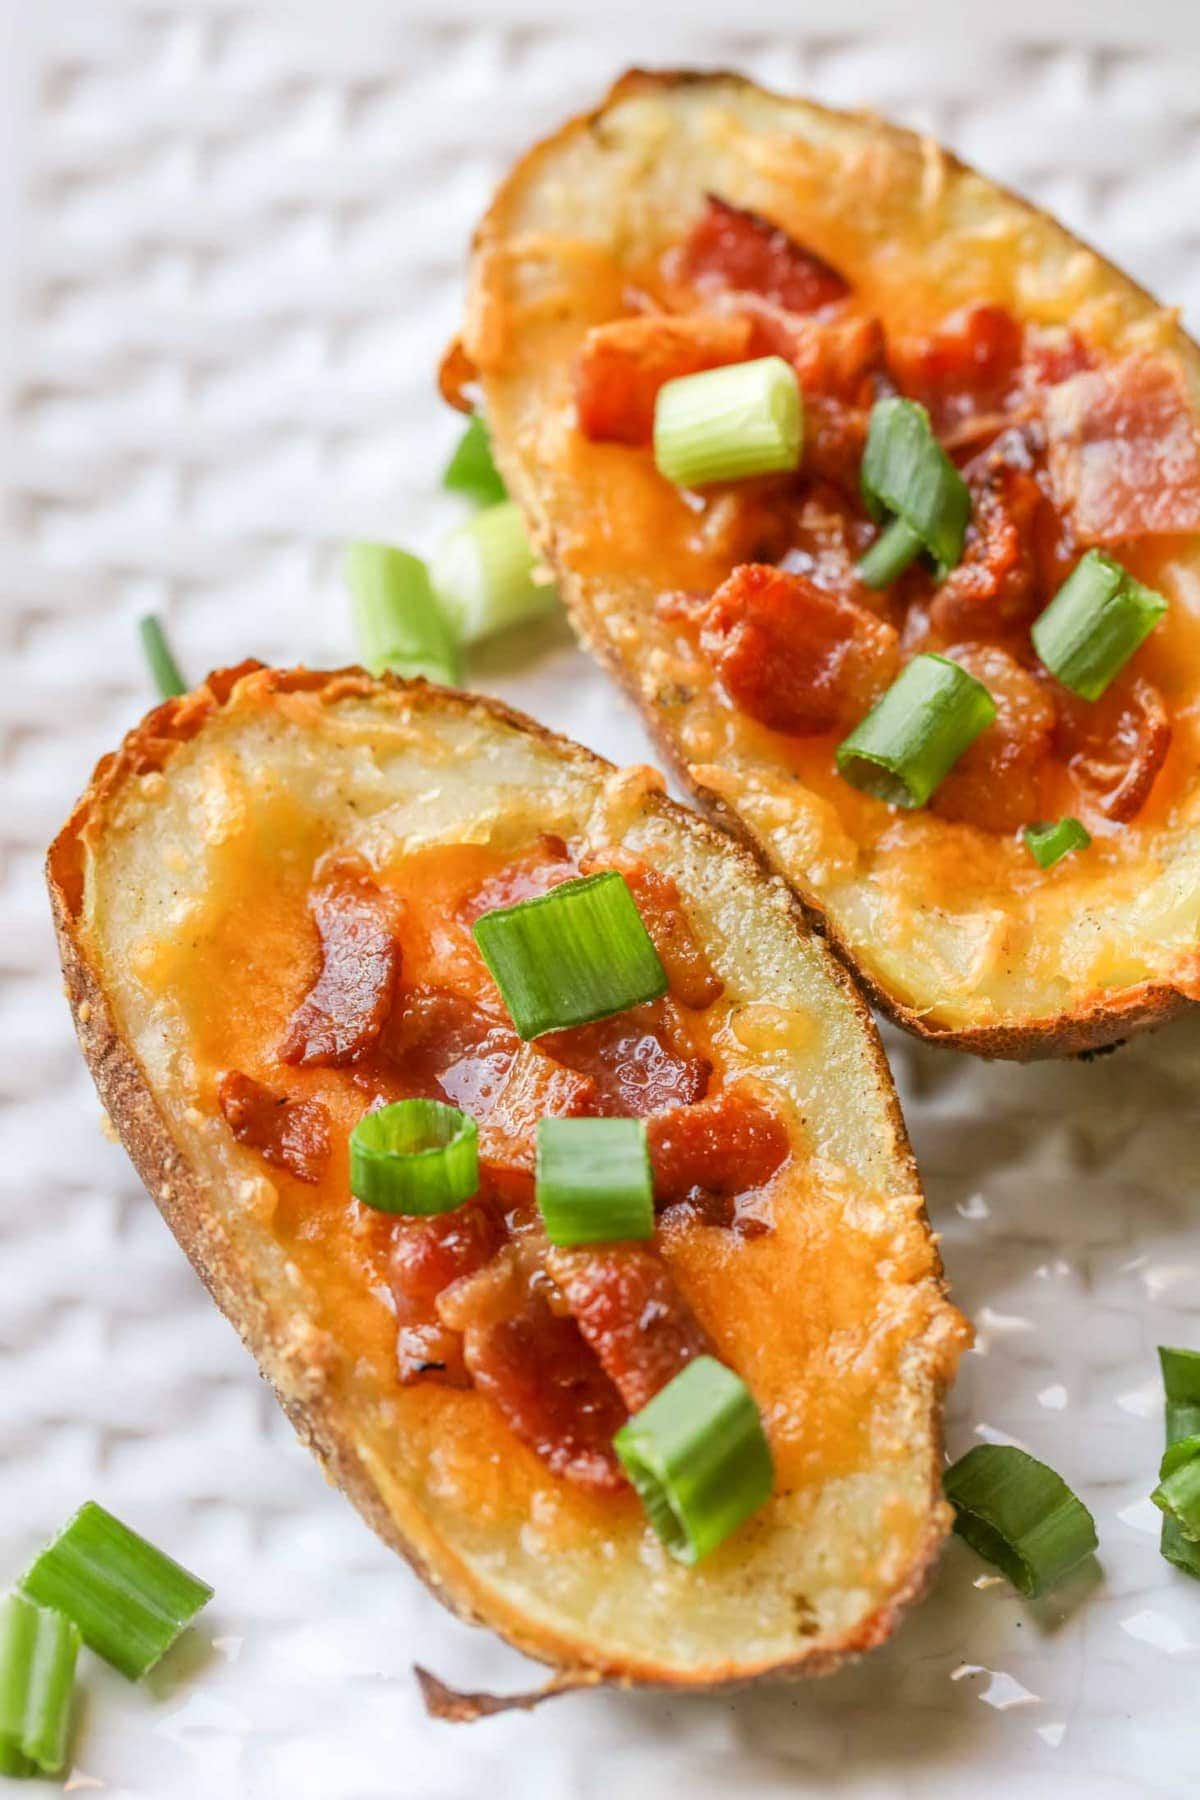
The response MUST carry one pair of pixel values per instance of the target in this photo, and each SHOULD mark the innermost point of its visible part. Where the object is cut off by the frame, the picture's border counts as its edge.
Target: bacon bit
(457, 375)
(289, 1134)
(708, 1156)
(543, 866)
(631, 1313)
(427, 1255)
(838, 358)
(1052, 353)
(622, 366)
(692, 978)
(1114, 746)
(792, 656)
(994, 588)
(1124, 450)
(968, 366)
(835, 436)
(634, 1060)
(433, 1033)
(345, 1009)
(732, 248)
(994, 784)
(534, 1087)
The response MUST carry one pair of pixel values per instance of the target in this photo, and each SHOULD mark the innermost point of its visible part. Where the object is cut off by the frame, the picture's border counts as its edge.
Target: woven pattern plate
(233, 248)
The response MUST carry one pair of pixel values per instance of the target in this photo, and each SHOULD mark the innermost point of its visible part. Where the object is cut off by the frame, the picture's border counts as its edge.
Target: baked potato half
(264, 902)
(694, 221)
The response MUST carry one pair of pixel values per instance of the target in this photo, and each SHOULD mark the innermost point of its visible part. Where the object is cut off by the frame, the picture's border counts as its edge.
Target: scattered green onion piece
(1178, 1490)
(578, 953)
(1048, 844)
(163, 666)
(1019, 1514)
(397, 619)
(471, 470)
(38, 1647)
(908, 479)
(1181, 1385)
(415, 1156)
(725, 424)
(1093, 625)
(594, 1184)
(698, 1458)
(916, 732)
(129, 1600)
(486, 576)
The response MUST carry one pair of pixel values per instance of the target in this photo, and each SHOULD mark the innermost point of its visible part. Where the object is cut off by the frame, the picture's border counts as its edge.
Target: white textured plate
(234, 248)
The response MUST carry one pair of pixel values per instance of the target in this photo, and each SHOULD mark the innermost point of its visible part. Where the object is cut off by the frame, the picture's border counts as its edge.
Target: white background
(233, 244)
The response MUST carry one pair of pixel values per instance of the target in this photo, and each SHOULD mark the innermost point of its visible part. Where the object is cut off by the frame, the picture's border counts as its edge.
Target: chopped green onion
(698, 1457)
(908, 479)
(129, 1600)
(486, 576)
(1048, 844)
(38, 1647)
(415, 1156)
(471, 470)
(916, 732)
(1019, 1514)
(575, 954)
(594, 1184)
(397, 619)
(1093, 625)
(1178, 1490)
(1181, 1385)
(725, 424)
(163, 666)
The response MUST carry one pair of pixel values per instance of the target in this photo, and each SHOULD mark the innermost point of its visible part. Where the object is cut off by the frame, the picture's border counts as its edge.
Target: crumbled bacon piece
(838, 358)
(1124, 450)
(426, 1256)
(1114, 746)
(623, 364)
(692, 978)
(792, 656)
(732, 248)
(290, 1134)
(994, 784)
(835, 437)
(710, 1155)
(445, 1046)
(967, 366)
(629, 1310)
(535, 871)
(994, 589)
(344, 1011)
(635, 1060)
(535, 1086)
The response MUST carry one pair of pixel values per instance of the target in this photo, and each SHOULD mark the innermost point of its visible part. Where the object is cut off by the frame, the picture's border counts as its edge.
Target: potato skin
(293, 1355)
(1104, 1022)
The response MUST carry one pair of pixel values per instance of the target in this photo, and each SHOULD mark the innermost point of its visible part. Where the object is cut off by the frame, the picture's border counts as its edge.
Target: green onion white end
(727, 424)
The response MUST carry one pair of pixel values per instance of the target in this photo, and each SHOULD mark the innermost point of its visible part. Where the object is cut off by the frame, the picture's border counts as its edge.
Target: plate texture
(233, 245)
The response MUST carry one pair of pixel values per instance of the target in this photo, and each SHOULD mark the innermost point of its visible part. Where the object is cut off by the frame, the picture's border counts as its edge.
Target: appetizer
(543, 1156)
(880, 493)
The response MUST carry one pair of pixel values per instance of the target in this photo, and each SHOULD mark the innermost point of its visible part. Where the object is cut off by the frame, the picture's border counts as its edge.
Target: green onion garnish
(163, 666)
(415, 1156)
(397, 619)
(698, 1457)
(1178, 1490)
(575, 954)
(1048, 844)
(486, 577)
(129, 1600)
(725, 424)
(908, 479)
(471, 470)
(594, 1184)
(1093, 625)
(916, 732)
(38, 1647)
(1019, 1514)
(1181, 1385)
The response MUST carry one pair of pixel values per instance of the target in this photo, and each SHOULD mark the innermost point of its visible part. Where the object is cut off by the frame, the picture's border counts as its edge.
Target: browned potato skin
(1139, 1007)
(291, 1353)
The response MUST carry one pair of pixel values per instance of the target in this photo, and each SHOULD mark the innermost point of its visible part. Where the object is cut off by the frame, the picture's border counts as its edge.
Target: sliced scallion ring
(914, 490)
(578, 953)
(698, 1458)
(726, 424)
(129, 1600)
(594, 1184)
(1181, 1386)
(398, 623)
(163, 666)
(916, 732)
(1019, 1514)
(38, 1647)
(1093, 625)
(1048, 844)
(415, 1156)
(486, 576)
(472, 470)
(1178, 1490)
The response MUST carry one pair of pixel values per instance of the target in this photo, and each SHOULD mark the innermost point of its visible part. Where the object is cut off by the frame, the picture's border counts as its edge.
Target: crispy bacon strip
(692, 977)
(1124, 451)
(629, 1310)
(623, 364)
(732, 248)
(994, 784)
(1116, 745)
(345, 1009)
(289, 1134)
(711, 1155)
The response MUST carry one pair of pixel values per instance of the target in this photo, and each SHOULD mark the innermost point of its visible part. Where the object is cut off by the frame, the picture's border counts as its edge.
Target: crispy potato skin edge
(1144, 1007)
(230, 1277)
